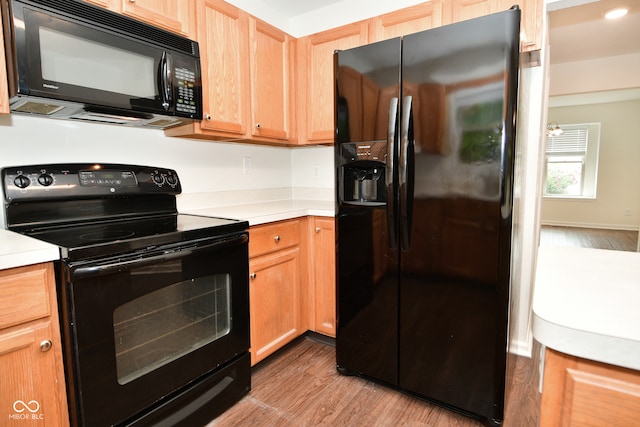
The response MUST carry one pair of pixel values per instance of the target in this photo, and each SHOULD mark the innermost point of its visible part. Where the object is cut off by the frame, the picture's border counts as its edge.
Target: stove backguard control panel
(60, 181)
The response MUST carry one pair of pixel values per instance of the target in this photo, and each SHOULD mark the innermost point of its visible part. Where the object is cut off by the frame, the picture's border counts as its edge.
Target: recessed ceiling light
(616, 13)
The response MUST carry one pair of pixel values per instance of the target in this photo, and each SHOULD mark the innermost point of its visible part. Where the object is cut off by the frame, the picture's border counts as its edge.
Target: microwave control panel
(185, 81)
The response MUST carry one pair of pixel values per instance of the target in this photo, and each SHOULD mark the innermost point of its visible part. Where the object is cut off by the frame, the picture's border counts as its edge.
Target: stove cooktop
(98, 239)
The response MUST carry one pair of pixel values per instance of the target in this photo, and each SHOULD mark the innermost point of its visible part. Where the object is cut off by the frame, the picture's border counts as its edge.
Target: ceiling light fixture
(616, 13)
(553, 129)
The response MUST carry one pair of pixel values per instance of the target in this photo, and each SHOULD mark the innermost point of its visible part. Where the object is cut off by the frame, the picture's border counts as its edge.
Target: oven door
(140, 329)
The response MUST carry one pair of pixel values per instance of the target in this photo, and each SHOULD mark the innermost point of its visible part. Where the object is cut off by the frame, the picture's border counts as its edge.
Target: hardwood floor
(299, 386)
(619, 240)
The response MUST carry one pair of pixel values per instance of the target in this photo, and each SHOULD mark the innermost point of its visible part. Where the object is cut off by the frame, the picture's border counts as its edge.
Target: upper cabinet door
(223, 35)
(103, 3)
(171, 15)
(271, 81)
(316, 77)
(530, 25)
(410, 20)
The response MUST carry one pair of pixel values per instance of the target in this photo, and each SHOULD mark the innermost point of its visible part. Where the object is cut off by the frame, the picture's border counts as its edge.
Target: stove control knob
(45, 179)
(172, 180)
(21, 181)
(158, 179)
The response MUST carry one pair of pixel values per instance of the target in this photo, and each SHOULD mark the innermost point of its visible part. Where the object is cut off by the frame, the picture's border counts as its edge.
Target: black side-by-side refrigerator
(424, 155)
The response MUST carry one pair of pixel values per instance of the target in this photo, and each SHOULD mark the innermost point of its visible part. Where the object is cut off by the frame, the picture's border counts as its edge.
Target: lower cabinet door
(31, 389)
(275, 302)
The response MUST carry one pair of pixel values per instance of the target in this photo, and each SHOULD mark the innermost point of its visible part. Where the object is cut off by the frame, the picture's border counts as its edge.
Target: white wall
(202, 166)
(577, 77)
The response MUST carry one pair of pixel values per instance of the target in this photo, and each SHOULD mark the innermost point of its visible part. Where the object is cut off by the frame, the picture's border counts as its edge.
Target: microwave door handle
(165, 80)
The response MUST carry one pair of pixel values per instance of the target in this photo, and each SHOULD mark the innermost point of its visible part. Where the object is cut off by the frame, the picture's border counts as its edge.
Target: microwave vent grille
(106, 19)
(38, 108)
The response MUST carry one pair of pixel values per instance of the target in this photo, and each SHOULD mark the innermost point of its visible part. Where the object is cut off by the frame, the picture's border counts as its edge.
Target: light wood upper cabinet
(107, 4)
(316, 88)
(223, 35)
(272, 77)
(405, 21)
(30, 349)
(171, 15)
(530, 25)
(248, 78)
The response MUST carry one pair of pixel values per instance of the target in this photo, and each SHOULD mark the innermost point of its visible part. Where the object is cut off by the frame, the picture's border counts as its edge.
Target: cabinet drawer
(273, 237)
(24, 294)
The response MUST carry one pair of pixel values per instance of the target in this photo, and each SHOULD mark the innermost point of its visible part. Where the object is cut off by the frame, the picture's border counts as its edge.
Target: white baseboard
(590, 225)
(521, 348)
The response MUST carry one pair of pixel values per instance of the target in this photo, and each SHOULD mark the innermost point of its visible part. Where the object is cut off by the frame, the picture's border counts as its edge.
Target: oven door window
(167, 324)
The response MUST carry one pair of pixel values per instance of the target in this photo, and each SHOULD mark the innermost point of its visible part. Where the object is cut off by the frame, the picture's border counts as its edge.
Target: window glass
(81, 62)
(164, 325)
(571, 161)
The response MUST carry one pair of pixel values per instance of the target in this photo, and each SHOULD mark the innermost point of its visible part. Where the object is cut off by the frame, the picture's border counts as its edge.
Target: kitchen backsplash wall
(203, 167)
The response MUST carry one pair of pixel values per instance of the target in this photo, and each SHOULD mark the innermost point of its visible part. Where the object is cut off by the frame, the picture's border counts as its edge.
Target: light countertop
(17, 250)
(269, 211)
(586, 304)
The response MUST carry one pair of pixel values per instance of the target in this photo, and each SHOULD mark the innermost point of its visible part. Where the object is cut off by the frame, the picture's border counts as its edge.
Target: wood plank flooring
(619, 240)
(299, 386)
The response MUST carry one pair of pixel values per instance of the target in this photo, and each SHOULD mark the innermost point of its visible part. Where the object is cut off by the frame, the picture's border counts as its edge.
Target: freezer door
(456, 161)
(367, 93)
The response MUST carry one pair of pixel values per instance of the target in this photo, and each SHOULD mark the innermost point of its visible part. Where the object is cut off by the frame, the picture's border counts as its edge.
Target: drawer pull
(45, 345)
(253, 276)
(277, 238)
(318, 229)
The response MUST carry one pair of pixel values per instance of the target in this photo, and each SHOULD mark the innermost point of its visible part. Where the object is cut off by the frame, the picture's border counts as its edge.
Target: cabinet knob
(257, 125)
(277, 238)
(45, 345)
(253, 276)
(207, 116)
(318, 229)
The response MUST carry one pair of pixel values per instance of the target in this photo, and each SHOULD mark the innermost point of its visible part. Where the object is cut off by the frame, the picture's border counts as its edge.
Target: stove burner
(106, 235)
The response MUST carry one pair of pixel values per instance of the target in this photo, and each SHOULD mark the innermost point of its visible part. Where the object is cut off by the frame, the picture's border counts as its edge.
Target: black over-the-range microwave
(73, 60)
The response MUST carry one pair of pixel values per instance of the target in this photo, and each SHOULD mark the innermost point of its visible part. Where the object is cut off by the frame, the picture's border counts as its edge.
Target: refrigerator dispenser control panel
(374, 150)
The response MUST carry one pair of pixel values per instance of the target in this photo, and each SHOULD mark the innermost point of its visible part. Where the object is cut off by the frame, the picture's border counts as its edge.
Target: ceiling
(581, 33)
(293, 8)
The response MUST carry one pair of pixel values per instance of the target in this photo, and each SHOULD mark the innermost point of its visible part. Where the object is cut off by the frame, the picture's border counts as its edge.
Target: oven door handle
(126, 263)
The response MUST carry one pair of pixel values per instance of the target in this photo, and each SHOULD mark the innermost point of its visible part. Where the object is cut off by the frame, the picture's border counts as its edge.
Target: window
(571, 161)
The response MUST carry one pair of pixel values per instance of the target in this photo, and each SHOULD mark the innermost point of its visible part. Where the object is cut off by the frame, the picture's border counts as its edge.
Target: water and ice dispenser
(363, 173)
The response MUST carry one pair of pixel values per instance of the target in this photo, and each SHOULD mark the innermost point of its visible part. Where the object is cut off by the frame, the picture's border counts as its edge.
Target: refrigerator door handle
(390, 174)
(405, 165)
